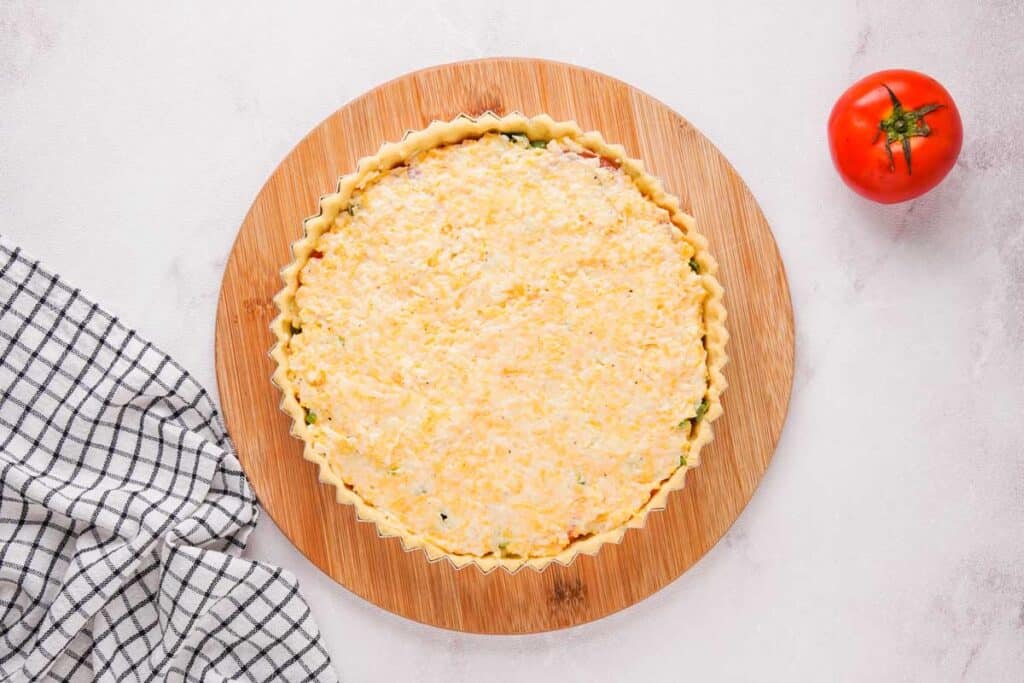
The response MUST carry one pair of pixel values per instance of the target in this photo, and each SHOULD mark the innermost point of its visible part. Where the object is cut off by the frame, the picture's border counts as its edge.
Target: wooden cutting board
(760, 371)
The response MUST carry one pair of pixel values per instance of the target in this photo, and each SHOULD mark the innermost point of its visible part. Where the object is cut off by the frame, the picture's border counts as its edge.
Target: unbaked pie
(502, 341)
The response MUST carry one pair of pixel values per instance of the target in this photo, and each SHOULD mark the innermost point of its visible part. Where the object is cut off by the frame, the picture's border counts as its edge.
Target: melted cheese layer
(500, 346)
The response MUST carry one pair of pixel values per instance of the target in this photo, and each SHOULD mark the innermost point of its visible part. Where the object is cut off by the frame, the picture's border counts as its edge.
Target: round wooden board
(760, 371)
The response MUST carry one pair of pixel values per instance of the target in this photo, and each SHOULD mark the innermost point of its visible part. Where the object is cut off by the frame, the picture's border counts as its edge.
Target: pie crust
(566, 137)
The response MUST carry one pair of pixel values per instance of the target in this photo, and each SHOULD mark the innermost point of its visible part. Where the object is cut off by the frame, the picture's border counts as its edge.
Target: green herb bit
(351, 210)
(503, 546)
(341, 339)
(685, 424)
(539, 143)
(702, 409)
(394, 469)
(581, 481)
(310, 417)
(694, 266)
(682, 461)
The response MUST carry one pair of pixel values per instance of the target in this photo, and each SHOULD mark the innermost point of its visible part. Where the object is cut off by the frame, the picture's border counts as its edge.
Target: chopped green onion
(702, 408)
(694, 266)
(310, 417)
(682, 461)
(538, 143)
(503, 545)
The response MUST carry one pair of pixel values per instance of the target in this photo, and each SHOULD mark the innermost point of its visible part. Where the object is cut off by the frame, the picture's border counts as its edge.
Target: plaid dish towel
(123, 511)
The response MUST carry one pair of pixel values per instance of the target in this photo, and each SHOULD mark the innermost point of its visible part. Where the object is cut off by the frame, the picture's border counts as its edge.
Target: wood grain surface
(760, 371)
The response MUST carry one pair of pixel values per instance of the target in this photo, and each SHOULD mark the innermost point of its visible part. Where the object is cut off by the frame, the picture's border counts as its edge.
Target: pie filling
(500, 346)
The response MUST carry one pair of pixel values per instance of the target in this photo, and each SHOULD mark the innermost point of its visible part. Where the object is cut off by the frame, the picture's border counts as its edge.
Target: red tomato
(894, 135)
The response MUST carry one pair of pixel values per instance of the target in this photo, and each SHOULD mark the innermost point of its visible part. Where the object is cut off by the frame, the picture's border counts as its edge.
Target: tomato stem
(901, 125)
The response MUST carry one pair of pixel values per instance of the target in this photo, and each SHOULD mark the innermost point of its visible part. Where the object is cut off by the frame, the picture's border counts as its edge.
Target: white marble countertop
(886, 541)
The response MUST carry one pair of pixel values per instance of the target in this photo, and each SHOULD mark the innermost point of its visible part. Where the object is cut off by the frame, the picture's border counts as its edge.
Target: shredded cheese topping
(500, 346)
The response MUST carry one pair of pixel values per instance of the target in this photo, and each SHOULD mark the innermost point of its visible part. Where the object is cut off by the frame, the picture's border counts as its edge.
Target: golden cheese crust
(499, 347)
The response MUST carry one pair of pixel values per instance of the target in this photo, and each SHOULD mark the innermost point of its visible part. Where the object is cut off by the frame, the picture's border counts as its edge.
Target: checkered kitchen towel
(123, 510)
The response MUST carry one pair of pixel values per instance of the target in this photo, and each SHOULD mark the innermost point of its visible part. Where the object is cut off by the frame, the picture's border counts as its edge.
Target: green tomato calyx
(901, 125)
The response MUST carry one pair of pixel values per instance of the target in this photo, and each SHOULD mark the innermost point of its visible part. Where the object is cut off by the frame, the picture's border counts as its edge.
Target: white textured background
(887, 539)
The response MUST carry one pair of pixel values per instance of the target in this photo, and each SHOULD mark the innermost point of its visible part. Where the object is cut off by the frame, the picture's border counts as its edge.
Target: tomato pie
(502, 341)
